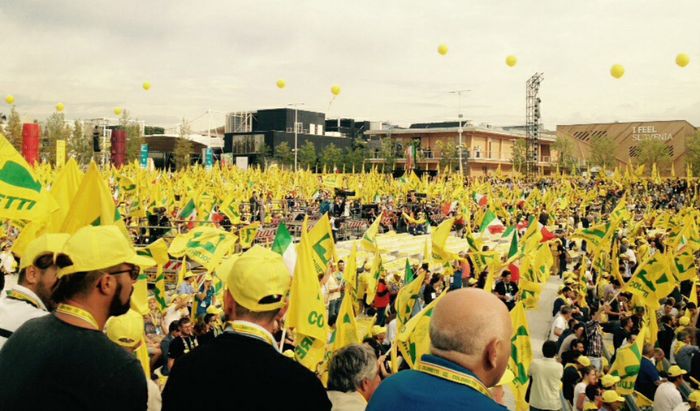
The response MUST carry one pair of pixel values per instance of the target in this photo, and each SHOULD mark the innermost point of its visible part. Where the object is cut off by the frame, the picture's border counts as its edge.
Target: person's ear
(492, 349)
(106, 284)
(229, 305)
(32, 275)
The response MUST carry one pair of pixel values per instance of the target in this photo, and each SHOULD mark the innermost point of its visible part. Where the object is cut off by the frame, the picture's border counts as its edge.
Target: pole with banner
(144, 155)
(209, 158)
(60, 153)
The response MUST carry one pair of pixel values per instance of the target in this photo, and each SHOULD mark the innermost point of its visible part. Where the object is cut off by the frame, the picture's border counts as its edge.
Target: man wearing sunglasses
(64, 361)
(31, 297)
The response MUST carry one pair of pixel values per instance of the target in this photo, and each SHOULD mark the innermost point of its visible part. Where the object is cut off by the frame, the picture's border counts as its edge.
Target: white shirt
(579, 389)
(667, 397)
(14, 313)
(392, 330)
(173, 314)
(7, 262)
(560, 323)
(546, 384)
(347, 401)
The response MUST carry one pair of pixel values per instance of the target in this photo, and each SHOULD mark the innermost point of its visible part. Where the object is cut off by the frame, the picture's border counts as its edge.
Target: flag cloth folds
(204, 245)
(92, 204)
(346, 326)
(20, 190)
(491, 225)
(158, 250)
(520, 356)
(321, 245)
(627, 361)
(652, 280)
(247, 234)
(439, 242)
(406, 301)
(283, 244)
(369, 239)
(307, 311)
(414, 340)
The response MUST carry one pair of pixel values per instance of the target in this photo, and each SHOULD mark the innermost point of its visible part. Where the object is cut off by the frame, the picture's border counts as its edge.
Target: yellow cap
(125, 330)
(212, 309)
(189, 274)
(45, 244)
(611, 396)
(675, 371)
(589, 406)
(97, 247)
(376, 330)
(506, 378)
(609, 380)
(257, 274)
(208, 278)
(684, 321)
(288, 354)
(583, 360)
(694, 397)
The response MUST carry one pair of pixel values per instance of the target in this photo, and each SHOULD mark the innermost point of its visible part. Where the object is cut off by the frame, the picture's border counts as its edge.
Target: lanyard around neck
(22, 296)
(452, 375)
(251, 331)
(79, 313)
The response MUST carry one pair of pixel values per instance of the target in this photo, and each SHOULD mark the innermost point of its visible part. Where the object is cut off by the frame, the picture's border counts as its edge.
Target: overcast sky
(227, 55)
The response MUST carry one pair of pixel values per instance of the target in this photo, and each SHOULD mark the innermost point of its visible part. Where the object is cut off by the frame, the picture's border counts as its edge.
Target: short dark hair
(75, 284)
(174, 326)
(42, 262)
(549, 349)
(262, 316)
(182, 321)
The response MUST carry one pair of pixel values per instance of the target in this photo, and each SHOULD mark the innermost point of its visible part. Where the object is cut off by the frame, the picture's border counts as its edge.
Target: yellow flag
(414, 340)
(92, 204)
(63, 190)
(439, 242)
(248, 233)
(373, 278)
(369, 239)
(521, 355)
(182, 272)
(426, 253)
(321, 245)
(345, 326)
(144, 359)
(406, 300)
(350, 273)
(205, 245)
(626, 365)
(652, 280)
(307, 311)
(158, 250)
(20, 190)
(309, 351)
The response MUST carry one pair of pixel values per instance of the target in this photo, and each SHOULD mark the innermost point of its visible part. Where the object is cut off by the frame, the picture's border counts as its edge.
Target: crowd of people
(70, 340)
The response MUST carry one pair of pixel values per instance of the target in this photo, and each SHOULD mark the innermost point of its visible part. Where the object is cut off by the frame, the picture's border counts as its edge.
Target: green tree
(79, 144)
(283, 154)
(449, 154)
(134, 137)
(387, 151)
(307, 155)
(55, 129)
(331, 156)
(354, 157)
(603, 152)
(519, 154)
(13, 130)
(183, 147)
(693, 153)
(654, 151)
(565, 150)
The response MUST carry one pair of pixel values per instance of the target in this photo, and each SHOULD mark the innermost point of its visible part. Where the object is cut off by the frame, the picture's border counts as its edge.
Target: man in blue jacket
(470, 333)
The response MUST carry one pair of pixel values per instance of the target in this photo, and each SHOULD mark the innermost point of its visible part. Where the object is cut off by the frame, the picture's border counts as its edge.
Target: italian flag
(481, 199)
(491, 224)
(513, 267)
(188, 213)
(284, 246)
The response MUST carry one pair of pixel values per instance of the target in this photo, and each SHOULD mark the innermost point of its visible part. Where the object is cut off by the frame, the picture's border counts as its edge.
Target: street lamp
(296, 137)
(459, 129)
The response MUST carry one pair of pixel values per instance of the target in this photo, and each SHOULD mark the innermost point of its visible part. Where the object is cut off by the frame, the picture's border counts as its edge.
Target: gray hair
(350, 366)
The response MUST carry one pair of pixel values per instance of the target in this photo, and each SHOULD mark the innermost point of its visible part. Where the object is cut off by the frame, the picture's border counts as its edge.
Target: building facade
(485, 148)
(627, 138)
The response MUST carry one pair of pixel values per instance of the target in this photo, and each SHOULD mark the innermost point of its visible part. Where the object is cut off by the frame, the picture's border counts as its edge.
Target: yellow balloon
(617, 71)
(335, 90)
(442, 49)
(511, 61)
(60, 107)
(281, 83)
(146, 85)
(682, 59)
(10, 99)
(118, 111)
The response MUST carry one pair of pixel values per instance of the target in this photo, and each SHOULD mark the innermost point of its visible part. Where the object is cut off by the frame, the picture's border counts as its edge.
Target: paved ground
(539, 322)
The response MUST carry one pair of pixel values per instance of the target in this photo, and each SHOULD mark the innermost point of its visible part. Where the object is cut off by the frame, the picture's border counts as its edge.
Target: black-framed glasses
(133, 272)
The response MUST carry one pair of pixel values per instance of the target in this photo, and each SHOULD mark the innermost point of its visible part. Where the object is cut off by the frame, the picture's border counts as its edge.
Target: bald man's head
(473, 328)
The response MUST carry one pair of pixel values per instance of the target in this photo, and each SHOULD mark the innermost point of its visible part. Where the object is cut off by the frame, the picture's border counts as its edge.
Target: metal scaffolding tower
(533, 123)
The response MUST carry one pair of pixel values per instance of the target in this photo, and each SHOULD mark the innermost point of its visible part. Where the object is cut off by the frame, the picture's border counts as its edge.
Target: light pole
(296, 136)
(459, 129)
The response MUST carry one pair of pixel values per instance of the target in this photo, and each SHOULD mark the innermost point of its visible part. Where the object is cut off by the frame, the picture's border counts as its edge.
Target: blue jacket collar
(446, 363)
